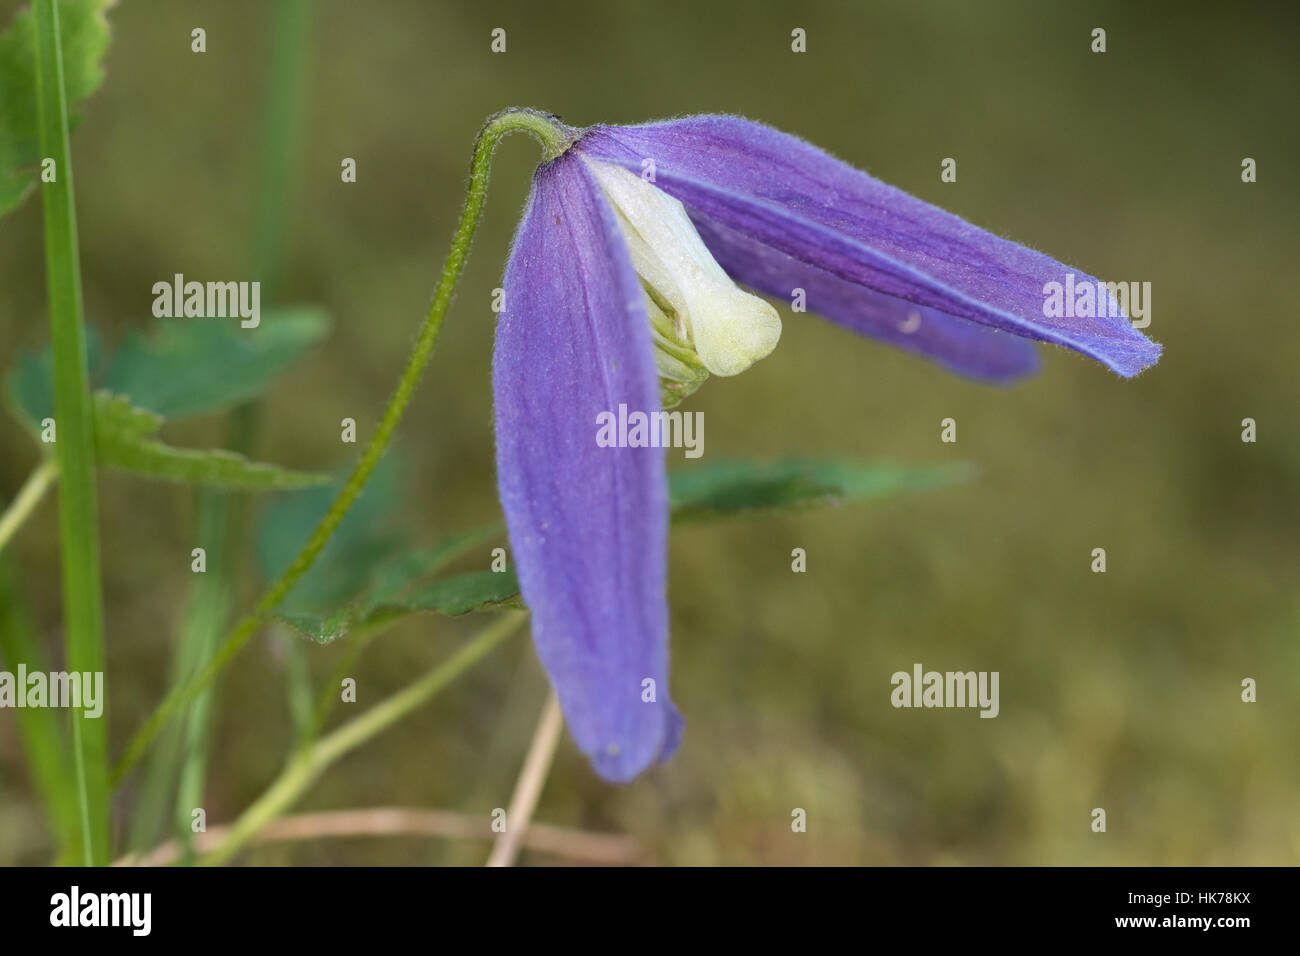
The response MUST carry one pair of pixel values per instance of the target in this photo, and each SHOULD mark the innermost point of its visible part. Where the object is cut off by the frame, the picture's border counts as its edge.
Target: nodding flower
(627, 285)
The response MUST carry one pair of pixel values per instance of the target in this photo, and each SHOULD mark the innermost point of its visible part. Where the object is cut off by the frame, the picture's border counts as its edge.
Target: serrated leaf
(83, 33)
(736, 487)
(195, 366)
(123, 439)
(456, 595)
(322, 630)
(117, 421)
(463, 593)
(401, 573)
(715, 490)
(183, 367)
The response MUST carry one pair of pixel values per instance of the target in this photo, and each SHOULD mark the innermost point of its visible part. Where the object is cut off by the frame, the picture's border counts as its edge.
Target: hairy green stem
(75, 445)
(555, 138)
(29, 496)
(306, 766)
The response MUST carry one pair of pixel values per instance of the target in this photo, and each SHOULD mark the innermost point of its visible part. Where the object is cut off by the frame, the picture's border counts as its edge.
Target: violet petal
(959, 345)
(588, 525)
(803, 202)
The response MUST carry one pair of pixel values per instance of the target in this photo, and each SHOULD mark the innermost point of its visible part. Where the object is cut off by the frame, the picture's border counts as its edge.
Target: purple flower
(621, 290)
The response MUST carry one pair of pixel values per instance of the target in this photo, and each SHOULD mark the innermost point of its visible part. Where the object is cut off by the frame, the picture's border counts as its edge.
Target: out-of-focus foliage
(749, 488)
(714, 491)
(187, 368)
(125, 439)
(83, 30)
(366, 539)
(184, 367)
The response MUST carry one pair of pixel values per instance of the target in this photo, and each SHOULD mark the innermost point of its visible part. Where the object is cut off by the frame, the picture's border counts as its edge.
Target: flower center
(698, 316)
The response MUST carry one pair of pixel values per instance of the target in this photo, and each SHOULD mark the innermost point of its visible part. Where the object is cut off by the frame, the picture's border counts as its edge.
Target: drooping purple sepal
(959, 345)
(790, 197)
(588, 524)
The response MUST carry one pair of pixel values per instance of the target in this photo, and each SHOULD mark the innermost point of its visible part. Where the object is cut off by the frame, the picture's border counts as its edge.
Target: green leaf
(184, 367)
(711, 491)
(321, 629)
(31, 382)
(463, 593)
(735, 487)
(401, 573)
(123, 439)
(361, 572)
(456, 595)
(83, 32)
(191, 367)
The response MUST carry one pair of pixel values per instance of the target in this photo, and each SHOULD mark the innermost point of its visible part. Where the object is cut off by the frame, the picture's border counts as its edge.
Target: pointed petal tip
(1127, 359)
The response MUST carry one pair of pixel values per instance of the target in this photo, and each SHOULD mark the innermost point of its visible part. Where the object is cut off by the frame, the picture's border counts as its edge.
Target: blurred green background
(1118, 690)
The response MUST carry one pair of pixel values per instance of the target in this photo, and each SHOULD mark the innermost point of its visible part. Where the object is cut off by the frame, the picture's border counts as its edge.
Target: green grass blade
(75, 447)
(205, 620)
(176, 764)
(43, 739)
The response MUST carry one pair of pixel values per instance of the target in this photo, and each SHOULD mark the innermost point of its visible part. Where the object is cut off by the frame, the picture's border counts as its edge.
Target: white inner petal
(729, 329)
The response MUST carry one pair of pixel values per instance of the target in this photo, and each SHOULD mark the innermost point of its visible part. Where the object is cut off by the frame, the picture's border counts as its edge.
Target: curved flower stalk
(623, 289)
